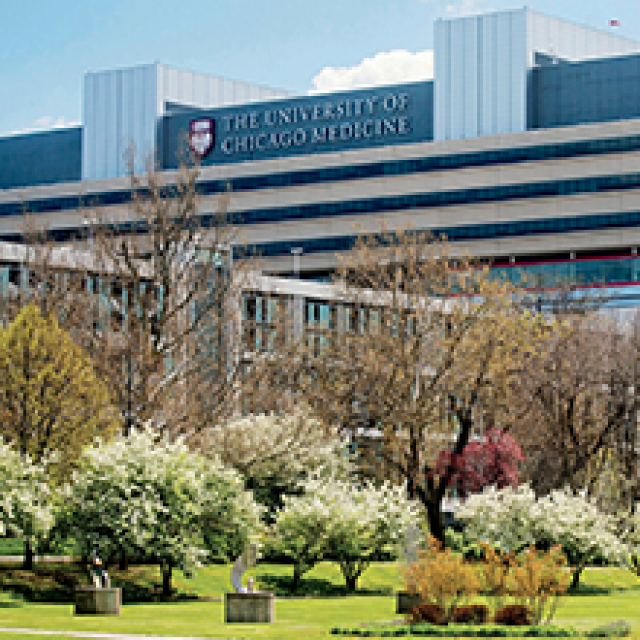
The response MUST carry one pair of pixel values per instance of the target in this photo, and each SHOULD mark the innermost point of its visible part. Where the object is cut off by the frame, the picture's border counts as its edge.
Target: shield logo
(201, 136)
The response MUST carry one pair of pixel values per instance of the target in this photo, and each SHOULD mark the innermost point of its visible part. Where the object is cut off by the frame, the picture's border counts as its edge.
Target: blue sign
(306, 125)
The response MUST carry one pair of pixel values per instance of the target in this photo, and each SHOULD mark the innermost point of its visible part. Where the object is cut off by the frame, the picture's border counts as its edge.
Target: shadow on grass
(56, 583)
(601, 590)
(282, 586)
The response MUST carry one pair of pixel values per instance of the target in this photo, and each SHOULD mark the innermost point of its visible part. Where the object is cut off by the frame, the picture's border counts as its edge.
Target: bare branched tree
(419, 345)
(575, 411)
(161, 324)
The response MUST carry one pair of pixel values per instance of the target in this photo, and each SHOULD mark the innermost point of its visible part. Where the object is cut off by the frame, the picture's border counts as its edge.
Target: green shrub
(461, 631)
(10, 599)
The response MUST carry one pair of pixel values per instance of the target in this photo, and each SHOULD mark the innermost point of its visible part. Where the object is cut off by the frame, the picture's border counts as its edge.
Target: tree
(25, 511)
(512, 519)
(336, 518)
(367, 521)
(492, 460)
(153, 499)
(575, 411)
(162, 314)
(51, 399)
(276, 453)
(421, 347)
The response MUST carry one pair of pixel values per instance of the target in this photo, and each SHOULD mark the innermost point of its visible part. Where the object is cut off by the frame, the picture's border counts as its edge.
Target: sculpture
(244, 562)
(98, 574)
(411, 544)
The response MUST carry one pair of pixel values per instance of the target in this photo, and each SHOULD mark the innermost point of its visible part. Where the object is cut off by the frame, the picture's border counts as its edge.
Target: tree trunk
(27, 564)
(167, 571)
(297, 575)
(434, 514)
(352, 582)
(575, 578)
(122, 561)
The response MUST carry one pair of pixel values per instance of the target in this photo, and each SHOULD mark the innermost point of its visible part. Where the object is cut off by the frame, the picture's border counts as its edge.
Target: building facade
(524, 148)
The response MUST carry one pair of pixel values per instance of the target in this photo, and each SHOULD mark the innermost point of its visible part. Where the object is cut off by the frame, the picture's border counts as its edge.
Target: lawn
(11, 547)
(607, 595)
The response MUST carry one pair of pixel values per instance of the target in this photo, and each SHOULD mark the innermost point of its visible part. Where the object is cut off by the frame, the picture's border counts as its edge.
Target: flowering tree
(513, 519)
(629, 529)
(350, 523)
(491, 461)
(275, 453)
(152, 499)
(370, 521)
(25, 511)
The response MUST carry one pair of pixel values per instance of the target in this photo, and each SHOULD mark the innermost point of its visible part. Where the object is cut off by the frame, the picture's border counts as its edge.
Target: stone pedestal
(406, 601)
(257, 606)
(101, 602)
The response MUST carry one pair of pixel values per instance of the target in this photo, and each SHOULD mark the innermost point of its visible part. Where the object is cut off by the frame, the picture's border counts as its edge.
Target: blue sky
(46, 46)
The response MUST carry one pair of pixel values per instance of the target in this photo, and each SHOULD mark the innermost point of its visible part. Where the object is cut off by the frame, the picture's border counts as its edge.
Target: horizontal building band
(546, 189)
(407, 166)
(564, 224)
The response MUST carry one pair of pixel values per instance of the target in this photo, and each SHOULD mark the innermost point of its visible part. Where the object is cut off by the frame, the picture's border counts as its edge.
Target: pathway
(89, 634)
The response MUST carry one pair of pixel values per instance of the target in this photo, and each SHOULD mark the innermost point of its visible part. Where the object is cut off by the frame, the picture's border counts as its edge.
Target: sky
(47, 46)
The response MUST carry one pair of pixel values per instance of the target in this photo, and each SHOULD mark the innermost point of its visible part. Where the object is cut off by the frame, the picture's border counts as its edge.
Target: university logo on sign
(201, 136)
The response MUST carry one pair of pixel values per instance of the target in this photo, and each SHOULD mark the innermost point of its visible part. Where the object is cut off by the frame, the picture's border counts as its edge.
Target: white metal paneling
(89, 129)
(482, 65)
(442, 80)
(472, 65)
(572, 41)
(201, 90)
(458, 78)
(488, 80)
(119, 111)
(480, 83)
(122, 110)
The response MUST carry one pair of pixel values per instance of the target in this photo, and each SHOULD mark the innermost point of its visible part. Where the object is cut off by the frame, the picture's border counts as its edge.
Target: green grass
(11, 547)
(294, 618)
(607, 595)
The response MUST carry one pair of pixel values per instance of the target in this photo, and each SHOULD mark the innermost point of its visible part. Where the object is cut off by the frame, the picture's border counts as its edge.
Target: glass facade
(41, 158)
(571, 93)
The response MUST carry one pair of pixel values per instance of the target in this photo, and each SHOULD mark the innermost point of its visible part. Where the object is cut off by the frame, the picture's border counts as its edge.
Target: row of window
(468, 232)
(263, 315)
(427, 164)
(565, 224)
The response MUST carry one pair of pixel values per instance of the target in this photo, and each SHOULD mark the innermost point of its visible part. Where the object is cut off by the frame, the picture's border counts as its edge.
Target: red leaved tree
(492, 460)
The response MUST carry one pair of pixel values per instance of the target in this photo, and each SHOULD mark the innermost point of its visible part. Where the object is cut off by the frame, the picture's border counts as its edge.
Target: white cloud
(390, 67)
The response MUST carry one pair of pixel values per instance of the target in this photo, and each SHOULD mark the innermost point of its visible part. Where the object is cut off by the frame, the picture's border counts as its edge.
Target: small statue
(244, 562)
(411, 548)
(98, 574)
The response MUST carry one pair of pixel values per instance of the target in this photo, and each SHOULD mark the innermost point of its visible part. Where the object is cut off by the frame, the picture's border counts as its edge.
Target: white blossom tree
(276, 453)
(153, 499)
(25, 509)
(337, 518)
(513, 519)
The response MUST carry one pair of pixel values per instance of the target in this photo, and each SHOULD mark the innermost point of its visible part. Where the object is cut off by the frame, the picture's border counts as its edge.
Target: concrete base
(102, 602)
(406, 601)
(257, 606)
